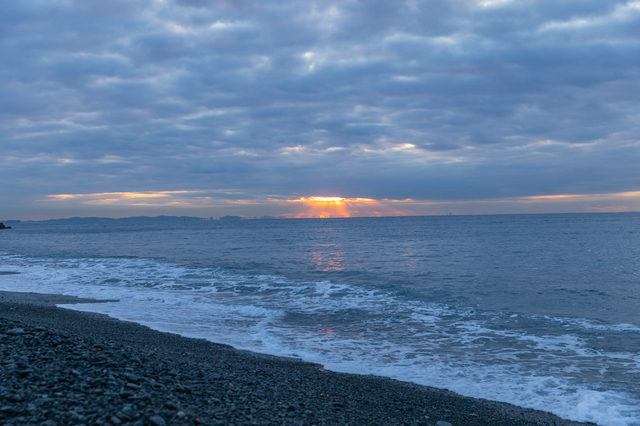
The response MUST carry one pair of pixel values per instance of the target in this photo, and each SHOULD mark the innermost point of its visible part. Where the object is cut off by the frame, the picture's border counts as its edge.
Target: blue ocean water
(541, 311)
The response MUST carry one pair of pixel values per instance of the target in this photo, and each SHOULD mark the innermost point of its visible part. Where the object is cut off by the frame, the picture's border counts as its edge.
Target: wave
(547, 363)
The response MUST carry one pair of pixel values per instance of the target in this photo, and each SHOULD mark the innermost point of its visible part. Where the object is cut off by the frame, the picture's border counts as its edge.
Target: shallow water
(537, 310)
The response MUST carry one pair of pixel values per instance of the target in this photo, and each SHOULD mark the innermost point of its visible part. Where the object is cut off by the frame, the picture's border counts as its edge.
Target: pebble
(16, 331)
(443, 423)
(132, 378)
(157, 420)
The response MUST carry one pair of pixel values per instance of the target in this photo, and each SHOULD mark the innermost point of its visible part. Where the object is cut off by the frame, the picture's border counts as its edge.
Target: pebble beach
(60, 366)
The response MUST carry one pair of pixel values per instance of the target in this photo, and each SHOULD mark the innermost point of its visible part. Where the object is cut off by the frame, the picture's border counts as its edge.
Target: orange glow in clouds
(325, 207)
(209, 203)
(147, 198)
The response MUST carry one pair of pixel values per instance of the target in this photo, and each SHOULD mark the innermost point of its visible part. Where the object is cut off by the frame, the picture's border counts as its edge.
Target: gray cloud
(464, 99)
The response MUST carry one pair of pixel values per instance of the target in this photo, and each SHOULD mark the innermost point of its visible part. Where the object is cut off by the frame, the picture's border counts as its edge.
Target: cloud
(421, 99)
(203, 203)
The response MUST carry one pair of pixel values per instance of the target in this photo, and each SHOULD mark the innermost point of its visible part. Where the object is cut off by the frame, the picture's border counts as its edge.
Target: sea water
(541, 311)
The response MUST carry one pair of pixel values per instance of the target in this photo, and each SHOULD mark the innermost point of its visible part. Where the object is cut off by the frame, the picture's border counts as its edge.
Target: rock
(132, 378)
(16, 397)
(157, 420)
(16, 331)
(443, 423)
(9, 410)
(4, 227)
(38, 402)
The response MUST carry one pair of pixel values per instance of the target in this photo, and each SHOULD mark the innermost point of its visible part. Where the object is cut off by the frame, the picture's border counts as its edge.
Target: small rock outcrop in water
(4, 227)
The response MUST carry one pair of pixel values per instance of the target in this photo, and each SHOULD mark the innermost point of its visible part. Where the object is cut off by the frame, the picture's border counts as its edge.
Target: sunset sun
(326, 207)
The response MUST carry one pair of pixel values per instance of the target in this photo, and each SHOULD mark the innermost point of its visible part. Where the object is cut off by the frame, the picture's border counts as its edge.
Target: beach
(61, 366)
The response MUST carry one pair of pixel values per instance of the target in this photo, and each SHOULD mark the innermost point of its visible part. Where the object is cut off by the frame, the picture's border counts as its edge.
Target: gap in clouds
(210, 204)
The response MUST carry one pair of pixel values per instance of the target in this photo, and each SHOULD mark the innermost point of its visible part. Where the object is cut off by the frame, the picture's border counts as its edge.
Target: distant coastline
(94, 219)
(164, 218)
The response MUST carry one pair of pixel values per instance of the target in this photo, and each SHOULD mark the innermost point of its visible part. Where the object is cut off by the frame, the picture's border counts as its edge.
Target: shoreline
(117, 373)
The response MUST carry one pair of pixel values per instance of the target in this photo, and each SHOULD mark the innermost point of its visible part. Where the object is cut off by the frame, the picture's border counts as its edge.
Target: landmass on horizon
(228, 218)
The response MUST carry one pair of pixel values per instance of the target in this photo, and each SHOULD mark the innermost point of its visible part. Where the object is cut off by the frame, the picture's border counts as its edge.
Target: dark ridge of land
(91, 220)
(60, 367)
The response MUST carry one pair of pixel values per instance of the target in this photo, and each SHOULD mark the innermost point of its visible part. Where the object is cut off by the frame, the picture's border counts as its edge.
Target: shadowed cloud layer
(456, 100)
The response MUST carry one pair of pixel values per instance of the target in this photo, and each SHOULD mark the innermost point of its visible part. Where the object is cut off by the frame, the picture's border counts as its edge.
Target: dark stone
(4, 227)
(157, 420)
(8, 409)
(132, 378)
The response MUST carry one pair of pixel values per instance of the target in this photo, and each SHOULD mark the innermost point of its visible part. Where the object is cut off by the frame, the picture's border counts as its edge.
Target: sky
(318, 108)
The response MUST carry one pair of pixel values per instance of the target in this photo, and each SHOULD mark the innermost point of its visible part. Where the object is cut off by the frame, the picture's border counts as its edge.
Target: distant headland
(80, 220)
(133, 219)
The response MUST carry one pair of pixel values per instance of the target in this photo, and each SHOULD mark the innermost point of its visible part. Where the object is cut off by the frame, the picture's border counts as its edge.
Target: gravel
(62, 367)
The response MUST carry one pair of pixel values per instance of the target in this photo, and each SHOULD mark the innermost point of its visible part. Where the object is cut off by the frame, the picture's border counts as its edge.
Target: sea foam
(539, 362)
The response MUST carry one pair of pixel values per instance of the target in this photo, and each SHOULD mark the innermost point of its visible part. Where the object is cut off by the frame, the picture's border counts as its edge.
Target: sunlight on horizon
(218, 203)
(326, 207)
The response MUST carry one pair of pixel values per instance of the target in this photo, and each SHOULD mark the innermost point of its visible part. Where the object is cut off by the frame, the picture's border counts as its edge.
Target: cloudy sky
(253, 107)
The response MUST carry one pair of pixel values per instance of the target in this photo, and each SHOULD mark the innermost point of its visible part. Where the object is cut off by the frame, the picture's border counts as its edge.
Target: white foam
(358, 330)
(585, 323)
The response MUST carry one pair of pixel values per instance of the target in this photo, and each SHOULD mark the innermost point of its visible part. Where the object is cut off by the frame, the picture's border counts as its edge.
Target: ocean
(541, 311)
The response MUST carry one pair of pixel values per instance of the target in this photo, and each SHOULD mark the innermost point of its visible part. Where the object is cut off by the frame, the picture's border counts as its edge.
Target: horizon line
(245, 218)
